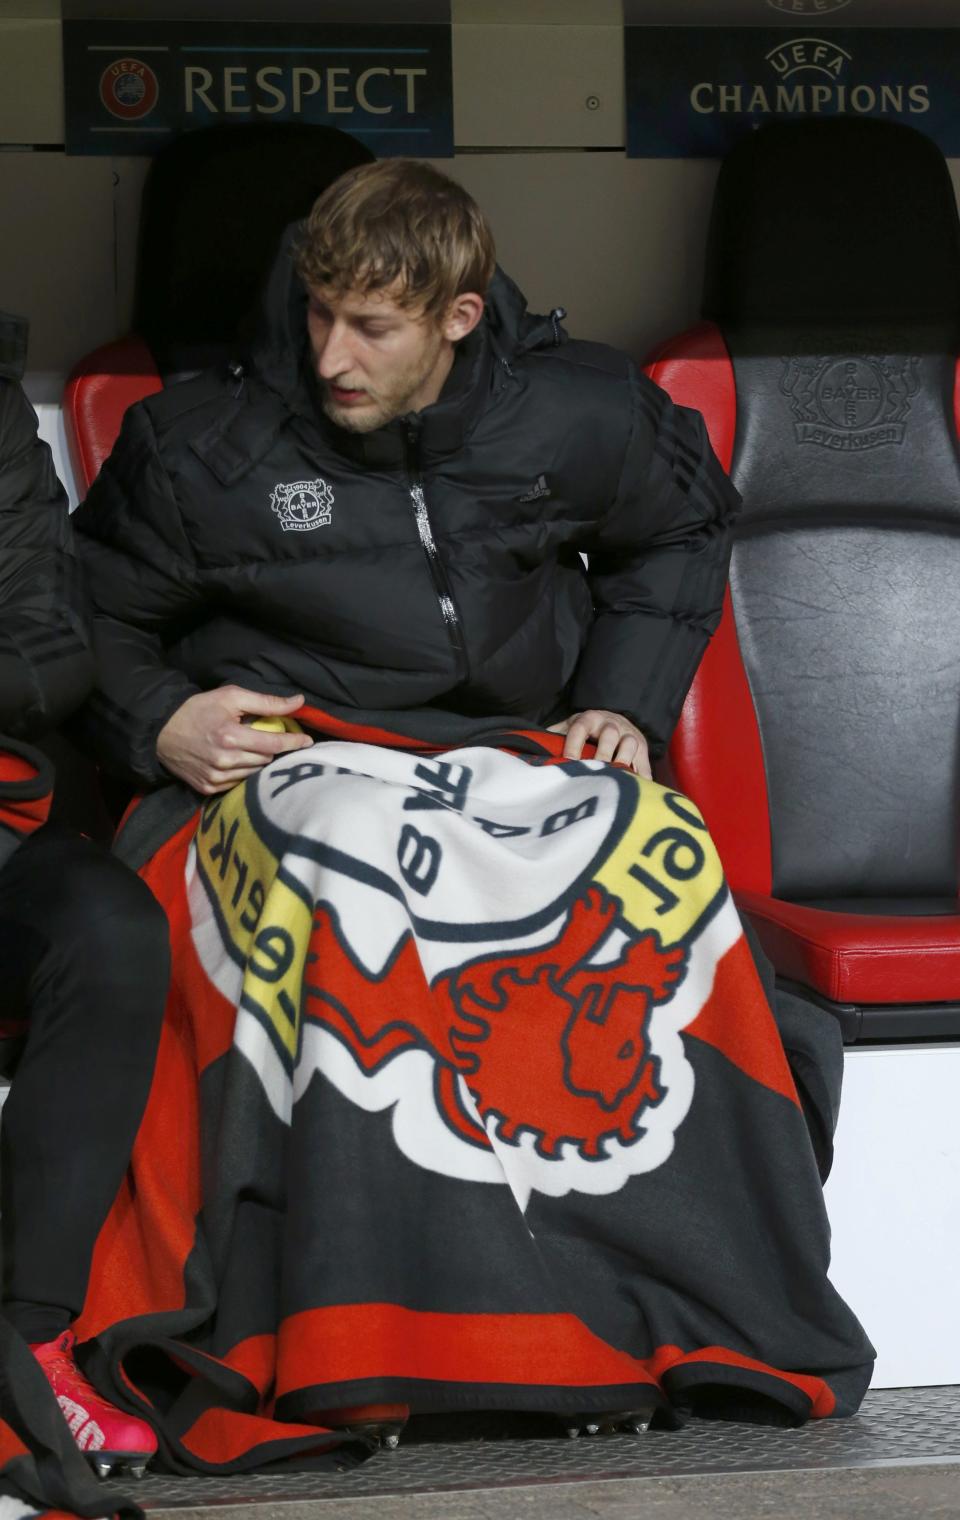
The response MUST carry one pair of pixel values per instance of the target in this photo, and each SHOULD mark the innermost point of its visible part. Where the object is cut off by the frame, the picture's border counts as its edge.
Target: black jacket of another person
(46, 663)
(426, 577)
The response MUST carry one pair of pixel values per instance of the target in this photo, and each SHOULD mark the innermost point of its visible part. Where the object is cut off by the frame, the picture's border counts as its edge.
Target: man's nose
(334, 355)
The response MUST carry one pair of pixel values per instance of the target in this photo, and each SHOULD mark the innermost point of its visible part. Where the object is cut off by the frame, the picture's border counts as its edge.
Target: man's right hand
(208, 745)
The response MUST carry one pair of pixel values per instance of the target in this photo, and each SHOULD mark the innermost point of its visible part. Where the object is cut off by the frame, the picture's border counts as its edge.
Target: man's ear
(463, 314)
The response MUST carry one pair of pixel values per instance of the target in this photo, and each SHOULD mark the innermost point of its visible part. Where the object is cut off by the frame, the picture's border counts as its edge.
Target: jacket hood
(281, 332)
(13, 346)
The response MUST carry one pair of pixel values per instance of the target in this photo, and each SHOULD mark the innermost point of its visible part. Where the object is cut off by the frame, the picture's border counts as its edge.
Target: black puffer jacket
(426, 576)
(46, 663)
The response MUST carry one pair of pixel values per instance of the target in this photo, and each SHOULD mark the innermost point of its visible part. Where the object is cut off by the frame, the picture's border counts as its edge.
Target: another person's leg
(85, 957)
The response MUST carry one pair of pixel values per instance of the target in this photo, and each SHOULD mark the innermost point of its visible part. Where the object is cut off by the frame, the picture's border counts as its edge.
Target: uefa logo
(807, 7)
(129, 89)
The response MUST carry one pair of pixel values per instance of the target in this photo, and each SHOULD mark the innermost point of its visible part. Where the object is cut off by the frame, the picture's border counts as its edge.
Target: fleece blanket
(468, 1098)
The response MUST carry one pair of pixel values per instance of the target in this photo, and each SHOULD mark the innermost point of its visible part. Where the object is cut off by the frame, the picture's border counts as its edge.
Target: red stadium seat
(98, 393)
(821, 737)
(215, 204)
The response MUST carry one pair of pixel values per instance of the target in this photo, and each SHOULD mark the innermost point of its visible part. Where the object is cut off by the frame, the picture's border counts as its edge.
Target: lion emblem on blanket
(546, 1042)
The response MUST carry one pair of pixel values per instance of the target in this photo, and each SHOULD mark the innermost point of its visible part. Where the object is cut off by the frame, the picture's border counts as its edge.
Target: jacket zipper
(438, 574)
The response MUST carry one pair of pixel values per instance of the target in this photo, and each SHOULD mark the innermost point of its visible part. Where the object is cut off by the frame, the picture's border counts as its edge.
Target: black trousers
(84, 960)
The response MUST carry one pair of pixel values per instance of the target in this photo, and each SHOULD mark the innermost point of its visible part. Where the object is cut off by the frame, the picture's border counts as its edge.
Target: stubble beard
(356, 420)
(386, 404)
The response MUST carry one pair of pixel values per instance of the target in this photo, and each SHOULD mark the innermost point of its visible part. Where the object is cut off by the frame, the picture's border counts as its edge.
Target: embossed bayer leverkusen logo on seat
(302, 505)
(851, 402)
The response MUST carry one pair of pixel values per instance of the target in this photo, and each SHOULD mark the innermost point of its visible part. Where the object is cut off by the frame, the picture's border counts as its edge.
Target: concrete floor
(899, 1458)
(876, 1493)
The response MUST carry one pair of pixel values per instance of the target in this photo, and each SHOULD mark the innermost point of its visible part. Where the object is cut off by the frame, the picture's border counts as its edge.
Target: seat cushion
(862, 957)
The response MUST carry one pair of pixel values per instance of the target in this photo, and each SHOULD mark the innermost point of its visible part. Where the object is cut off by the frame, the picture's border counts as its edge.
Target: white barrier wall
(894, 1203)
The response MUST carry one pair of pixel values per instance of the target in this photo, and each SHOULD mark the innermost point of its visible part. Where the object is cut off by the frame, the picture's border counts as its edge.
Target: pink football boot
(106, 1436)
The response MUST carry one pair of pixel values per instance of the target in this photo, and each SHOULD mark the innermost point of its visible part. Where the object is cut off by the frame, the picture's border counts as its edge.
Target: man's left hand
(616, 737)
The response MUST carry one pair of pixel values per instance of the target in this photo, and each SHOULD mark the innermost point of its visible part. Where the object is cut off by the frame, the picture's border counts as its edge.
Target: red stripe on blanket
(23, 814)
(822, 1400)
(25, 819)
(352, 1341)
(16, 767)
(328, 727)
(142, 1249)
(358, 733)
(255, 1359)
(11, 1445)
(221, 1437)
(751, 1040)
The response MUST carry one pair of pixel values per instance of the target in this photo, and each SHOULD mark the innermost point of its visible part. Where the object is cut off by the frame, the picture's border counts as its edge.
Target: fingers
(642, 764)
(229, 767)
(606, 728)
(626, 750)
(578, 732)
(617, 740)
(238, 751)
(262, 703)
(256, 745)
(216, 781)
(607, 740)
(240, 759)
(632, 751)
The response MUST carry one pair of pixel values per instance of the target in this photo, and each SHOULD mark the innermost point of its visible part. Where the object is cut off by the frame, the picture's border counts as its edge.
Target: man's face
(374, 358)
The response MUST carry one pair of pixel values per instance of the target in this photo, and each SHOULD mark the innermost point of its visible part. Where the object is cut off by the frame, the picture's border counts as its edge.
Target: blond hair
(400, 222)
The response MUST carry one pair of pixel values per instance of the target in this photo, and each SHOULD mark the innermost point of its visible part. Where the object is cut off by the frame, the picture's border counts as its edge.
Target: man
(83, 947)
(435, 991)
(466, 454)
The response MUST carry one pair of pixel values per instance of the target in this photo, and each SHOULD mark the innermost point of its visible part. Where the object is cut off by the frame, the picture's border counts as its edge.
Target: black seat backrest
(834, 272)
(215, 204)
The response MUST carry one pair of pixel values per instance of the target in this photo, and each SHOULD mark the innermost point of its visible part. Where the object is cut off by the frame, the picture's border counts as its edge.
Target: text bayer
(240, 91)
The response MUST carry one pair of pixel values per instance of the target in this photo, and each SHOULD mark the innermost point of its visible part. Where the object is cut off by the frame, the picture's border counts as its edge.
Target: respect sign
(131, 85)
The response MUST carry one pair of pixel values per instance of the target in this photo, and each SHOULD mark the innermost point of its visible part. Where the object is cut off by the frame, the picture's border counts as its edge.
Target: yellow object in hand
(277, 725)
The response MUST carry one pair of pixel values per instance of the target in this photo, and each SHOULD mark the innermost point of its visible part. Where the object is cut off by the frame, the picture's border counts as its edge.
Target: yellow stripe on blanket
(265, 923)
(665, 870)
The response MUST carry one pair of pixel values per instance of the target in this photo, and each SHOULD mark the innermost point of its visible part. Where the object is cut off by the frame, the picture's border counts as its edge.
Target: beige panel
(533, 12)
(31, 82)
(619, 242)
(58, 268)
(538, 12)
(29, 10)
(538, 86)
